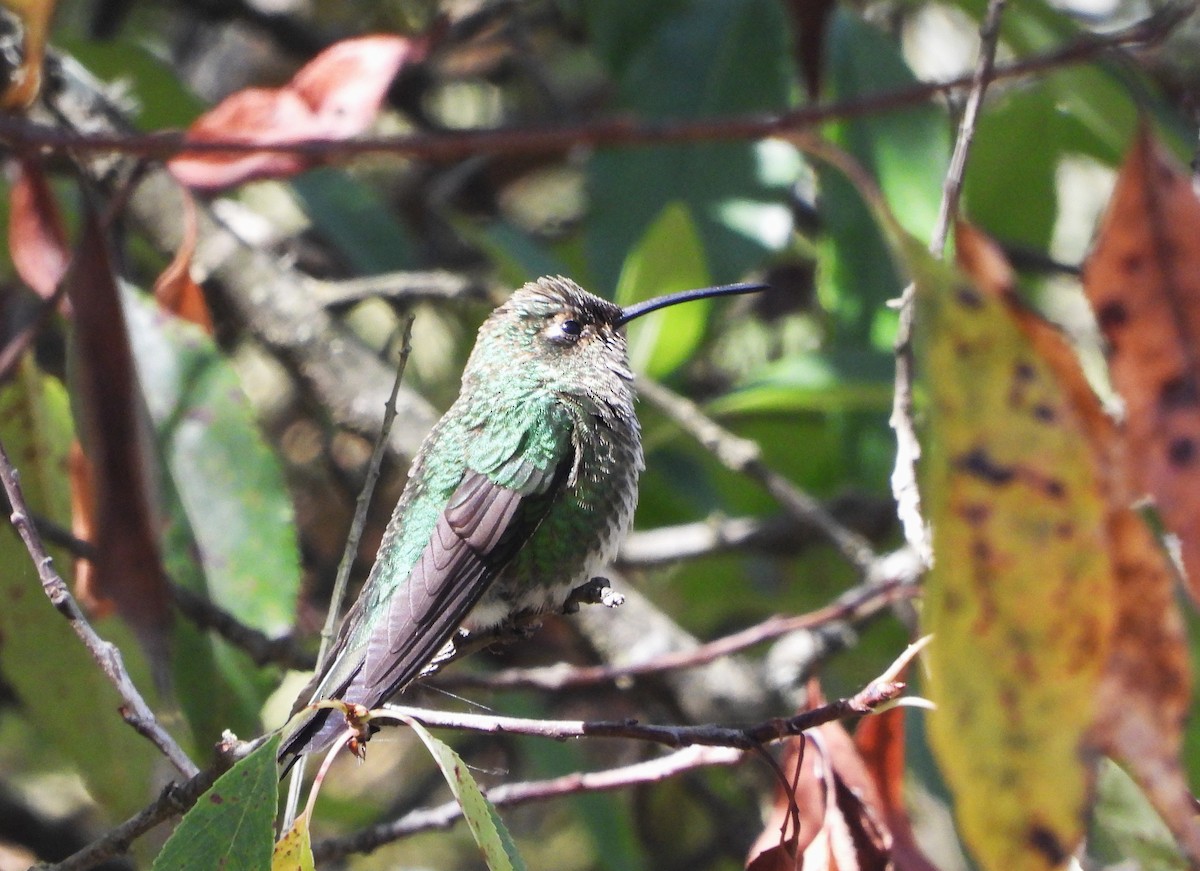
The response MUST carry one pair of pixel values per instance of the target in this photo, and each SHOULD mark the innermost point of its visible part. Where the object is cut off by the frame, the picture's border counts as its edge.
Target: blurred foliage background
(258, 479)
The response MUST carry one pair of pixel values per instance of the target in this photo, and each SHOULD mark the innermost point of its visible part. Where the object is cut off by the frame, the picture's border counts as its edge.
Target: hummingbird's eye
(564, 332)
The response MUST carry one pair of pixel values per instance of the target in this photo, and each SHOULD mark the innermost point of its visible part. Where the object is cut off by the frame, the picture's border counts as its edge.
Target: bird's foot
(597, 591)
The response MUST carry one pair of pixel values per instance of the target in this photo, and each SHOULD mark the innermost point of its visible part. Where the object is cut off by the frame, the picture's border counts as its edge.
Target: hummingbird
(523, 489)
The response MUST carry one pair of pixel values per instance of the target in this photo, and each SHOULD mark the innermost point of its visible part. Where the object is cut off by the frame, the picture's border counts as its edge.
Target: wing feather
(482, 527)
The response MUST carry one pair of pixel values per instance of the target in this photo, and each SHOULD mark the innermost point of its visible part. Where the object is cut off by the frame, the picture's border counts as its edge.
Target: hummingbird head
(552, 333)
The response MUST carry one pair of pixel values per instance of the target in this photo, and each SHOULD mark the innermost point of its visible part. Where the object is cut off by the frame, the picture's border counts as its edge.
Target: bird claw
(597, 591)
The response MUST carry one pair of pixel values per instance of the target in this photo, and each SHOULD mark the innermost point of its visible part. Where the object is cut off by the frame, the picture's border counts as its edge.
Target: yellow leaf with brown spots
(1020, 598)
(1145, 692)
(1143, 280)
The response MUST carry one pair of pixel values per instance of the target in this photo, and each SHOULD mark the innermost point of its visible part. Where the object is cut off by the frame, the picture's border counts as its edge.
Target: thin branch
(908, 446)
(444, 816)
(745, 457)
(744, 738)
(23, 136)
(353, 537)
(262, 649)
(853, 606)
(173, 801)
(989, 36)
(870, 516)
(408, 287)
(133, 709)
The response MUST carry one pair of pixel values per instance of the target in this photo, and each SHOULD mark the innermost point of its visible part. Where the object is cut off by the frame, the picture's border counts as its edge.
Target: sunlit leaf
(669, 257)
(1020, 597)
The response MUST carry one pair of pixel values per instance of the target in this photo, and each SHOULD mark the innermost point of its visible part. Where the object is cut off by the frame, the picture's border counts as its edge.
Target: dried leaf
(175, 289)
(127, 569)
(37, 238)
(840, 811)
(35, 16)
(1019, 599)
(880, 742)
(1143, 280)
(335, 96)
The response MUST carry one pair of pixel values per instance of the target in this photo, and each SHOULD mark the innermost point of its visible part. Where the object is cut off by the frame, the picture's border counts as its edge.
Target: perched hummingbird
(521, 491)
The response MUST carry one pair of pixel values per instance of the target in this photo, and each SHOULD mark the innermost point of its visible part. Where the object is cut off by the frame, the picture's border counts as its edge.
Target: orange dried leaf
(175, 289)
(1143, 281)
(335, 96)
(37, 238)
(879, 739)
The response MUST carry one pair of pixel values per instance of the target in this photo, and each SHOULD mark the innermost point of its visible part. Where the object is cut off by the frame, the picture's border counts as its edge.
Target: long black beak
(641, 308)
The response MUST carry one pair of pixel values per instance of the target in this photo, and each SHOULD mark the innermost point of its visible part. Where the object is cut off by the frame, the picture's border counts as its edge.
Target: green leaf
(1126, 829)
(669, 257)
(905, 152)
(44, 662)
(486, 827)
(227, 502)
(232, 824)
(691, 60)
(842, 381)
(228, 479)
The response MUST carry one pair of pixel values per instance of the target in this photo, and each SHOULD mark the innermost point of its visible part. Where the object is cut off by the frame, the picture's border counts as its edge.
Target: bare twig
(908, 447)
(989, 35)
(744, 457)
(408, 287)
(260, 647)
(744, 738)
(23, 136)
(443, 816)
(134, 709)
(855, 605)
(173, 801)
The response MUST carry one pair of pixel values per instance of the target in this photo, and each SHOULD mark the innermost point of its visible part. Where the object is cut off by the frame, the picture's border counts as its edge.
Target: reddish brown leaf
(127, 570)
(175, 290)
(840, 810)
(335, 96)
(880, 741)
(1143, 280)
(1144, 693)
(37, 238)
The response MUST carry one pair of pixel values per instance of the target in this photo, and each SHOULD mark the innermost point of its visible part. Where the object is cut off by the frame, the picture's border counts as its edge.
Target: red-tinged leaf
(127, 569)
(1143, 280)
(840, 810)
(260, 115)
(335, 96)
(345, 84)
(175, 289)
(880, 741)
(779, 845)
(37, 238)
